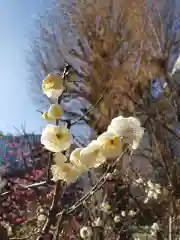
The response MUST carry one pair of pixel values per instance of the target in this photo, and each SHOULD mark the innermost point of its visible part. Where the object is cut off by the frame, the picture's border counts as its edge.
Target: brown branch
(34, 185)
(58, 226)
(49, 167)
(52, 212)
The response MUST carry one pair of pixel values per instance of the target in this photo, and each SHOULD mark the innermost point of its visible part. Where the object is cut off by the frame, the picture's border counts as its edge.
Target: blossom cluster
(14, 207)
(58, 138)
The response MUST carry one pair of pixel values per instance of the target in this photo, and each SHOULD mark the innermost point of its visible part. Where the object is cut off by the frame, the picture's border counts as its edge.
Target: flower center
(66, 169)
(111, 142)
(96, 152)
(49, 84)
(59, 136)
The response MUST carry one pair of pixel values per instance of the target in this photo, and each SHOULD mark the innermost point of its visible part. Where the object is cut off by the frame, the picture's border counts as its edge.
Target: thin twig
(90, 109)
(52, 212)
(24, 238)
(49, 167)
(154, 117)
(96, 187)
(58, 226)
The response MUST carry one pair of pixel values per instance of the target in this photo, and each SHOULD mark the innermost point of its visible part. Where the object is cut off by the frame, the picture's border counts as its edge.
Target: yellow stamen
(111, 142)
(58, 135)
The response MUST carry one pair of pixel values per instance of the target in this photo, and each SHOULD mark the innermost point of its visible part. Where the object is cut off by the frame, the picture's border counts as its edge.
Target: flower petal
(59, 159)
(76, 160)
(55, 111)
(66, 173)
(92, 155)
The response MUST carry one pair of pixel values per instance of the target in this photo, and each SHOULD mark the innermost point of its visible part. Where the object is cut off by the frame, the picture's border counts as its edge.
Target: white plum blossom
(46, 117)
(86, 233)
(77, 160)
(98, 222)
(117, 218)
(123, 213)
(92, 155)
(106, 207)
(139, 181)
(55, 111)
(53, 86)
(41, 218)
(128, 128)
(56, 138)
(41, 210)
(62, 170)
(111, 144)
(132, 213)
(153, 190)
(154, 229)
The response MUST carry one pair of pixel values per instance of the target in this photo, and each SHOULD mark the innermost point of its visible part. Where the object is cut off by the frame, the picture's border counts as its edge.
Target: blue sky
(16, 106)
